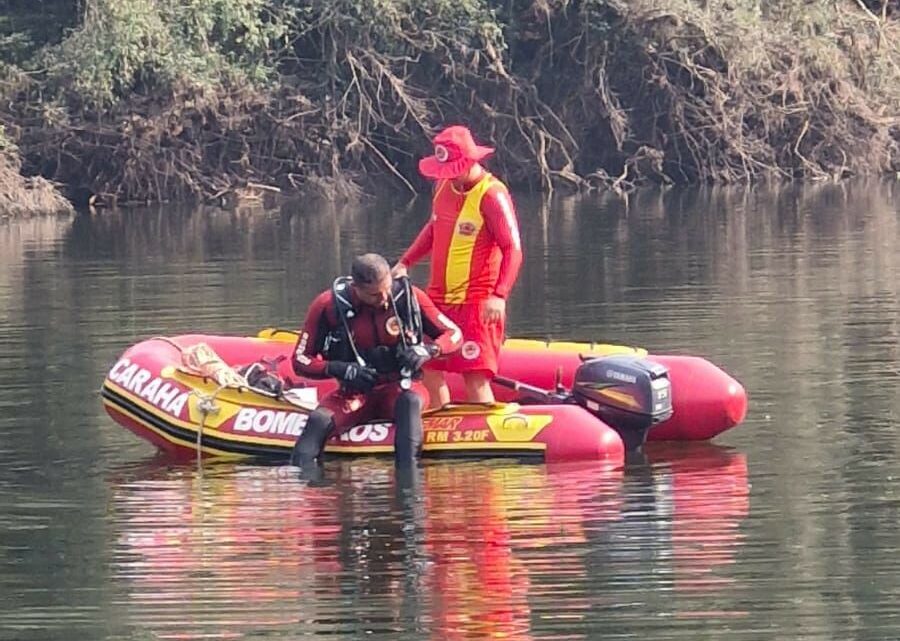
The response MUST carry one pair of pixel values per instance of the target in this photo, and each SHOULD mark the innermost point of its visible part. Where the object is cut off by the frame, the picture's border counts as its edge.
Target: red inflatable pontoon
(156, 391)
(557, 401)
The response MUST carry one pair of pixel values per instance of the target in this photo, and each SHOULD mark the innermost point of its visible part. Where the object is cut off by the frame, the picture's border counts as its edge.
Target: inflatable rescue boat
(238, 396)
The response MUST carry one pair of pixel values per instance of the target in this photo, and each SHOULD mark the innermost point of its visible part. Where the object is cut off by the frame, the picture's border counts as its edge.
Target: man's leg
(309, 445)
(404, 407)
(408, 433)
(436, 384)
(486, 338)
(478, 356)
(336, 413)
(478, 386)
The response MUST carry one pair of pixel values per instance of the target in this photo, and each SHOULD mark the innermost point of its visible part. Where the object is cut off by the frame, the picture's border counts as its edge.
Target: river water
(785, 527)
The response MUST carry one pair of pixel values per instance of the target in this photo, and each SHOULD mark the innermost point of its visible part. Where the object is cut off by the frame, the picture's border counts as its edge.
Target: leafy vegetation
(174, 99)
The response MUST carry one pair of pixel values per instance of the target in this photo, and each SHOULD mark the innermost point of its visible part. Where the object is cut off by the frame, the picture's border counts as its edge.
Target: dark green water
(785, 527)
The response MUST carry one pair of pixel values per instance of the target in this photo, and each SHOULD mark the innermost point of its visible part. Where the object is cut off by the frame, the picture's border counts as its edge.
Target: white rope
(206, 406)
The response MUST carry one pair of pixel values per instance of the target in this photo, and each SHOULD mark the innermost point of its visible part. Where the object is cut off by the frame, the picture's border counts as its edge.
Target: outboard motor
(628, 393)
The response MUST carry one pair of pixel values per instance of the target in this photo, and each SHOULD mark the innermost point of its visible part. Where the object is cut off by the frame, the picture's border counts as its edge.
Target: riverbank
(154, 101)
(27, 196)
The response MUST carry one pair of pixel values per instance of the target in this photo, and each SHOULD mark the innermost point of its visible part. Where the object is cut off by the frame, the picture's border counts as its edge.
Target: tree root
(580, 95)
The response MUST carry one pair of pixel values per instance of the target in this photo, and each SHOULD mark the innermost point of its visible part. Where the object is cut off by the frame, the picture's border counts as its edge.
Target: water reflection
(455, 551)
(596, 268)
(795, 291)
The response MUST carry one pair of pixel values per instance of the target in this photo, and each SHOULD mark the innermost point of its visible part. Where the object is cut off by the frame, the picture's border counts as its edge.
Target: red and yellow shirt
(473, 239)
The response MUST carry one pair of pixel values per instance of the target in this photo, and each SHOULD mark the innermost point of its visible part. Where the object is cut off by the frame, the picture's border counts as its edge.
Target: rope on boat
(206, 405)
(206, 402)
(168, 340)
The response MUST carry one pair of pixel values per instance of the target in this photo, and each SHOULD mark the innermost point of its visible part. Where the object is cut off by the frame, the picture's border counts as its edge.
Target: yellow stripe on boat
(485, 445)
(359, 449)
(329, 448)
(587, 349)
(592, 349)
(211, 423)
(278, 335)
(189, 443)
(498, 412)
(468, 409)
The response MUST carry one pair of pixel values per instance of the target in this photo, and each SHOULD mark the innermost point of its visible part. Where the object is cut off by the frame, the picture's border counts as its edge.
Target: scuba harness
(339, 343)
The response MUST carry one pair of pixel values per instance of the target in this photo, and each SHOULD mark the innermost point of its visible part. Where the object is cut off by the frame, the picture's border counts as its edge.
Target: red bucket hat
(455, 152)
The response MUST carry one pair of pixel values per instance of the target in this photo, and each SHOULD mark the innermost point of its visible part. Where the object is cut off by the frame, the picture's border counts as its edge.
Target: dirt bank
(148, 101)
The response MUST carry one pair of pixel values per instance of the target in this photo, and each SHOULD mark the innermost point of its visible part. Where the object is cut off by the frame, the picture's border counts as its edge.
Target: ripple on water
(788, 535)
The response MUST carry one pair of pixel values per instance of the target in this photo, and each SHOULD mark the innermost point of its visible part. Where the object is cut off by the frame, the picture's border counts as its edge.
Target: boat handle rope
(166, 339)
(206, 405)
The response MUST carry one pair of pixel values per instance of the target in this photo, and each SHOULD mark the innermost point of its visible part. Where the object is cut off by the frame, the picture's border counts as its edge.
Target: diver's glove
(412, 358)
(354, 377)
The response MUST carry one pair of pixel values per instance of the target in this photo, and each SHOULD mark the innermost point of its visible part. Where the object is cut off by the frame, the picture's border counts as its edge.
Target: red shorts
(352, 409)
(480, 350)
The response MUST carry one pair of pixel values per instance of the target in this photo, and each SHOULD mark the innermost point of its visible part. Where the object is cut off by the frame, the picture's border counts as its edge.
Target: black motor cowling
(629, 393)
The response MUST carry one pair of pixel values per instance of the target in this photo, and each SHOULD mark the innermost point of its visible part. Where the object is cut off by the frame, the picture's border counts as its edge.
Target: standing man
(473, 239)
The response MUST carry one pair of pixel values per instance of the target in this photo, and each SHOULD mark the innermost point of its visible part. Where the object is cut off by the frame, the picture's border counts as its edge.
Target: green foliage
(153, 46)
(26, 26)
(15, 47)
(165, 98)
(398, 27)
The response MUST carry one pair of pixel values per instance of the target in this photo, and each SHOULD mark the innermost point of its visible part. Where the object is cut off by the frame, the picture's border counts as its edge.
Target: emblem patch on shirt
(353, 403)
(466, 228)
(392, 326)
(470, 350)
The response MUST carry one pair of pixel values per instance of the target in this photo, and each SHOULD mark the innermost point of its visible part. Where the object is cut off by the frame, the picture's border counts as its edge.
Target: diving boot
(309, 445)
(408, 433)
